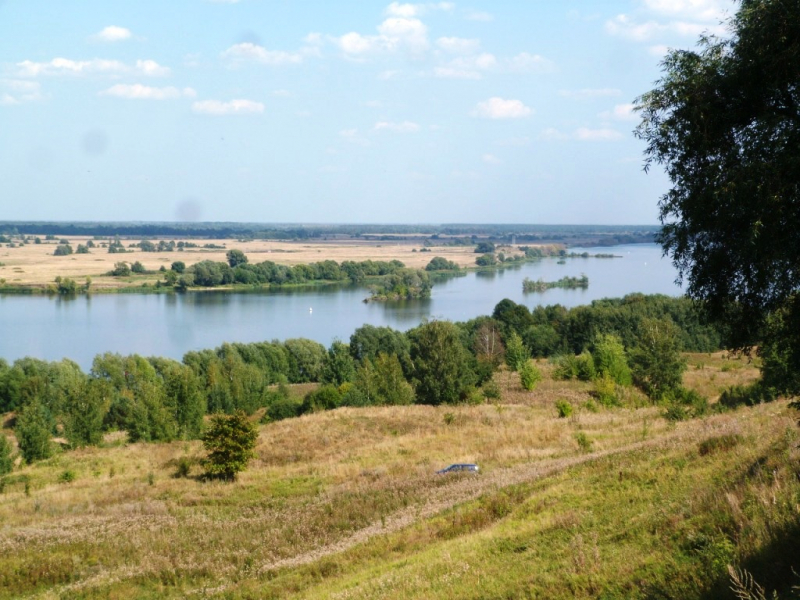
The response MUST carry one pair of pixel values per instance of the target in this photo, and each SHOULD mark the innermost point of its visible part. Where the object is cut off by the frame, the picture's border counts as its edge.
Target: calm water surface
(172, 324)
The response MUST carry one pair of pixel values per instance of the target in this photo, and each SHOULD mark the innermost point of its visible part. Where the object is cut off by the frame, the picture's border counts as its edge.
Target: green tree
(178, 266)
(391, 386)
(236, 258)
(121, 269)
(656, 362)
(6, 460)
(442, 372)
(33, 431)
(229, 441)
(529, 375)
(516, 352)
(339, 367)
(610, 359)
(724, 122)
(86, 406)
(137, 267)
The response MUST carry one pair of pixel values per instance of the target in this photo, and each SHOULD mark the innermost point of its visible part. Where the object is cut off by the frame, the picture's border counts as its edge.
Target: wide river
(169, 325)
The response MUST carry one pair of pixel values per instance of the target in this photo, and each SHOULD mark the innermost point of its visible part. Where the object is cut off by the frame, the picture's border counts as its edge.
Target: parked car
(460, 468)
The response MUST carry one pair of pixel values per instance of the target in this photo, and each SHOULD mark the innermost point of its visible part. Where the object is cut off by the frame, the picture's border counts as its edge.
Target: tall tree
(724, 121)
(442, 370)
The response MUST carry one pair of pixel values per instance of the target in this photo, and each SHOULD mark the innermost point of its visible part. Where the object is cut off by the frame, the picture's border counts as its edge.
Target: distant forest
(567, 234)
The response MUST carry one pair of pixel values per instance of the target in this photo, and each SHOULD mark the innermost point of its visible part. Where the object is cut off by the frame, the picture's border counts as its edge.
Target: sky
(334, 111)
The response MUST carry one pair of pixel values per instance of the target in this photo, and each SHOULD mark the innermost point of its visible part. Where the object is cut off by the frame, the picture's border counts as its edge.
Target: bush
(605, 390)
(516, 352)
(229, 441)
(747, 395)
(564, 409)
(584, 443)
(326, 397)
(67, 476)
(491, 390)
(137, 267)
(6, 462)
(609, 359)
(529, 375)
(283, 408)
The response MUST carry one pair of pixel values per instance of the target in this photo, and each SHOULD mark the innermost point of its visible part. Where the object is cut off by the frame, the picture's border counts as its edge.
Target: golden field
(34, 265)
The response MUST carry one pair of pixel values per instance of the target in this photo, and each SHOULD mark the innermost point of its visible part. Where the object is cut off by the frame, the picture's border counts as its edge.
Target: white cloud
(582, 134)
(113, 33)
(491, 159)
(589, 93)
(396, 9)
(626, 27)
(152, 68)
(404, 127)
(498, 108)
(473, 67)
(143, 92)
(95, 66)
(700, 10)
(253, 52)
(233, 107)
(457, 45)
(620, 112)
(394, 34)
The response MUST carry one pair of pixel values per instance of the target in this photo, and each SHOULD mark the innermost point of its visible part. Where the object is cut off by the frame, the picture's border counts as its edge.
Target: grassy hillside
(345, 504)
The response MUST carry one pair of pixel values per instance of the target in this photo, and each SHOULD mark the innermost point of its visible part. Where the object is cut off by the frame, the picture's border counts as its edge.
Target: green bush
(282, 408)
(747, 395)
(516, 351)
(326, 397)
(67, 476)
(529, 375)
(491, 390)
(584, 443)
(6, 462)
(229, 441)
(564, 409)
(605, 390)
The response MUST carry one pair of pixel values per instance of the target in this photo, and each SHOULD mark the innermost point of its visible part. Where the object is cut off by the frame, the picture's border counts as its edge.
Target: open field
(346, 504)
(35, 265)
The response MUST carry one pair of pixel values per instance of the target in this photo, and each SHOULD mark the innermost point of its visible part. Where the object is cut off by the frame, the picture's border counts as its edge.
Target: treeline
(600, 234)
(437, 362)
(239, 270)
(569, 283)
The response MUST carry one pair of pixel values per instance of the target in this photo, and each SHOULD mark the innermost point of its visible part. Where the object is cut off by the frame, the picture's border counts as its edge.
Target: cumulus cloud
(95, 66)
(113, 33)
(498, 108)
(529, 63)
(232, 107)
(620, 112)
(143, 92)
(394, 34)
(404, 127)
(398, 9)
(657, 18)
(701, 10)
(253, 52)
(474, 66)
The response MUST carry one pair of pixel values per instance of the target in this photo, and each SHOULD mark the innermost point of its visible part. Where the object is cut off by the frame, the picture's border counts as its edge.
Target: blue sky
(337, 111)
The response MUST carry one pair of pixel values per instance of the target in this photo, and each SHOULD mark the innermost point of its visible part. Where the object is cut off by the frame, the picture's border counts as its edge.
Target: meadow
(606, 503)
(35, 265)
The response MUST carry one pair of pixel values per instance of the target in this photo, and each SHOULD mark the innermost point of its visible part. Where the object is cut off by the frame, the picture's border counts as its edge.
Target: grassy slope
(344, 504)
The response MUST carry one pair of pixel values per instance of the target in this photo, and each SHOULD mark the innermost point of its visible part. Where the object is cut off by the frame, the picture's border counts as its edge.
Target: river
(169, 325)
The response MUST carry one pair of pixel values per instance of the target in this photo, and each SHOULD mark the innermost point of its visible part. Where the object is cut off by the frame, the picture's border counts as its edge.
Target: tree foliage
(229, 441)
(442, 370)
(6, 460)
(33, 431)
(724, 121)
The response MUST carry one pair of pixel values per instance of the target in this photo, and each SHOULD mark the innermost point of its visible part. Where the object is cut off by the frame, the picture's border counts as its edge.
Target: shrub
(605, 390)
(137, 267)
(609, 359)
(33, 433)
(229, 441)
(183, 468)
(67, 476)
(747, 395)
(529, 375)
(676, 412)
(326, 397)
(6, 462)
(491, 390)
(566, 367)
(564, 409)
(516, 351)
(282, 408)
(584, 443)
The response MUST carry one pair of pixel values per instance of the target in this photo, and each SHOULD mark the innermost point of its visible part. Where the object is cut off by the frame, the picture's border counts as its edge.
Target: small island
(569, 283)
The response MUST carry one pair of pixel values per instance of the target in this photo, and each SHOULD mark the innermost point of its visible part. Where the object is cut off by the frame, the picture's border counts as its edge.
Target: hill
(607, 503)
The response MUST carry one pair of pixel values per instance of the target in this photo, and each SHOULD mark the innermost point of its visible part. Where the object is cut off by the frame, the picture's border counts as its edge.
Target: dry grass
(35, 265)
(321, 485)
(710, 374)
